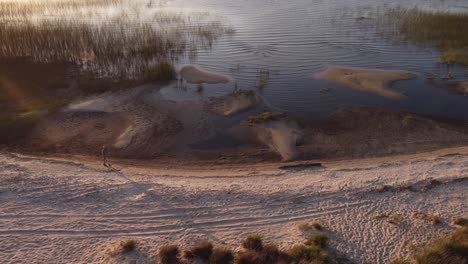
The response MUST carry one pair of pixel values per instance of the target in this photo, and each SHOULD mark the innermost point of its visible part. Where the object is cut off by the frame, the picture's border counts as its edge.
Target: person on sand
(105, 153)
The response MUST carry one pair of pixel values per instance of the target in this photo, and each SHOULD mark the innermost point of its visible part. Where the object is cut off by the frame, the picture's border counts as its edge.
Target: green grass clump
(319, 240)
(461, 221)
(169, 254)
(450, 249)
(253, 242)
(264, 117)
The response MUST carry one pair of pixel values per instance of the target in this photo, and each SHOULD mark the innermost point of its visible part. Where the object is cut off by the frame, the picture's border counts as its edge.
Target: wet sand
(368, 80)
(169, 133)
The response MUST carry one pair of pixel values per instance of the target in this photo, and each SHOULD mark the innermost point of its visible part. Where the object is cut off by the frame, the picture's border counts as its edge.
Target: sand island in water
(369, 80)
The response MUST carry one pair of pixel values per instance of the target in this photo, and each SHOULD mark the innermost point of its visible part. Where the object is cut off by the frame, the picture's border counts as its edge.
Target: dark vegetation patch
(127, 245)
(169, 254)
(449, 249)
(461, 221)
(252, 251)
(443, 30)
(121, 48)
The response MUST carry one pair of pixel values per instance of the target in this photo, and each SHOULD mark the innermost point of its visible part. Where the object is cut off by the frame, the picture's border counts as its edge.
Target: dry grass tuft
(253, 242)
(127, 245)
(308, 254)
(319, 240)
(169, 254)
(221, 256)
(450, 249)
(201, 251)
(461, 221)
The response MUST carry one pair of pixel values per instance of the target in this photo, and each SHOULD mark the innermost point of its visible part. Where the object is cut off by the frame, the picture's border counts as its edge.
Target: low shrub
(201, 251)
(461, 221)
(319, 240)
(253, 242)
(450, 249)
(221, 256)
(127, 245)
(305, 253)
(169, 254)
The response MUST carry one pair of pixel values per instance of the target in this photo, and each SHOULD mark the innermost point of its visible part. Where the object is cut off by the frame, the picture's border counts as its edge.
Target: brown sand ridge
(368, 80)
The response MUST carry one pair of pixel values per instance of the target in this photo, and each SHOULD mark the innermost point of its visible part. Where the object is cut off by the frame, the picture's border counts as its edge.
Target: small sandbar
(195, 74)
(368, 80)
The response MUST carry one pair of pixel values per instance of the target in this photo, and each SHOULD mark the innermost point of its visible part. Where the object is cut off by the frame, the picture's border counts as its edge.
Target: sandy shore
(369, 80)
(73, 211)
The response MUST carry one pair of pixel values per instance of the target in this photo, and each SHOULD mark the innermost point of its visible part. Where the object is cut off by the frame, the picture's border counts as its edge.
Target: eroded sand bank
(369, 80)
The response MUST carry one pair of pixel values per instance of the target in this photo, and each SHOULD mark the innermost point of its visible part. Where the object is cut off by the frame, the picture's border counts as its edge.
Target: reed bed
(140, 42)
(443, 30)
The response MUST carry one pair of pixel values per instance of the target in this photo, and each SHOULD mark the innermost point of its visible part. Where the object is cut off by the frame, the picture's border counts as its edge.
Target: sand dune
(62, 211)
(369, 80)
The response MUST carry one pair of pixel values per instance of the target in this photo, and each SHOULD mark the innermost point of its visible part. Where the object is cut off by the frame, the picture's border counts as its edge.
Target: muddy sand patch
(142, 123)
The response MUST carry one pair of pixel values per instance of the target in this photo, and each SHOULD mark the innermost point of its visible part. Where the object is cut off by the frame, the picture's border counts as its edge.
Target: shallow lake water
(276, 48)
(288, 43)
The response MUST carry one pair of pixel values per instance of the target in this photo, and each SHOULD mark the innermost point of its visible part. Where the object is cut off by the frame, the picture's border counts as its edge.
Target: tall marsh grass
(445, 31)
(120, 39)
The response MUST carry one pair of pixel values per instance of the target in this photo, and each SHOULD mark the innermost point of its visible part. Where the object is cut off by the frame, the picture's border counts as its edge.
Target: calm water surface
(295, 40)
(285, 44)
